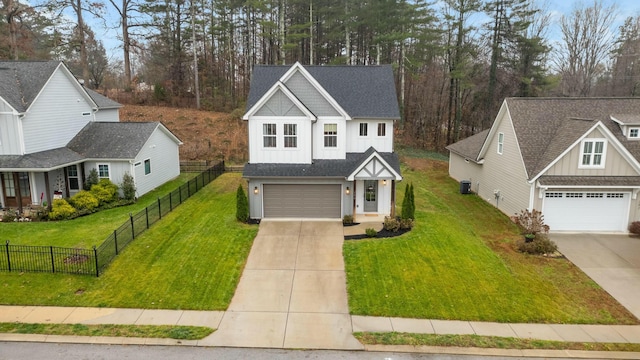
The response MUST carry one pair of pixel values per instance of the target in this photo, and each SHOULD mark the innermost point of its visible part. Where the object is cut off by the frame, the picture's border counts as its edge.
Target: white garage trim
(586, 210)
(302, 201)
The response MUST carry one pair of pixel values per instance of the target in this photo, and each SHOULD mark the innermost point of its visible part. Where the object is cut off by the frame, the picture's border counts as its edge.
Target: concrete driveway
(612, 261)
(292, 293)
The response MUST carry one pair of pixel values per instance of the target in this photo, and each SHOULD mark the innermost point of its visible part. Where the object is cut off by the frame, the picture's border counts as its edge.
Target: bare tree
(586, 43)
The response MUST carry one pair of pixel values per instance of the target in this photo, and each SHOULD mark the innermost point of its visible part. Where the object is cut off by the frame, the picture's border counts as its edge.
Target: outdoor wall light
(384, 182)
(348, 191)
(255, 190)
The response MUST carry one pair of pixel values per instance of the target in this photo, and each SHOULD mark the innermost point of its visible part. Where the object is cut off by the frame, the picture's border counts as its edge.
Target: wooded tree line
(454, 60)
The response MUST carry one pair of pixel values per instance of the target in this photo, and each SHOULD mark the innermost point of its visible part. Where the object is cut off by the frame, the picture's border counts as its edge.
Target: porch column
(393, 199)
(47, 190)
(353, 196)
(16, 183)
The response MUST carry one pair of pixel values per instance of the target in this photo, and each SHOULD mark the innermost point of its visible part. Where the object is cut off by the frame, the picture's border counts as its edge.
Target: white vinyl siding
(107, 115)
(300, 154)
(162, 153)
(357, 143)
(56, 116)
(9, 132)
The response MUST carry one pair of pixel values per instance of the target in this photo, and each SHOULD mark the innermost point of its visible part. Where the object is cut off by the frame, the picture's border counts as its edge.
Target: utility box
(465, 187)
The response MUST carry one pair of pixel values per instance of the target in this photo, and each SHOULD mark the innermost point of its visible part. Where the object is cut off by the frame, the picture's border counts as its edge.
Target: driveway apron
(292, 293)
(611, 260)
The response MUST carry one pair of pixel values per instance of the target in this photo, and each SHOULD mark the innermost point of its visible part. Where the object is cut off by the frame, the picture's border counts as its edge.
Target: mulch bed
(381, 234)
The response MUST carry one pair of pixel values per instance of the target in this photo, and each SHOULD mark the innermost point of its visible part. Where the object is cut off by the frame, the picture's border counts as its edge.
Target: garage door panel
(586, 211)
(302, 201)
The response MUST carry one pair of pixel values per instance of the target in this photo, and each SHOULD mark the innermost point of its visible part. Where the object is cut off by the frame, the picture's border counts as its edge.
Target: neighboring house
(574, 159)
(53, 131)
(321, 141)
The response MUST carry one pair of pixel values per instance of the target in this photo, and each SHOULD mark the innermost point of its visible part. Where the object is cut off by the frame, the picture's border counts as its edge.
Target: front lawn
(191, 259)
(85, 231)
(458, 263)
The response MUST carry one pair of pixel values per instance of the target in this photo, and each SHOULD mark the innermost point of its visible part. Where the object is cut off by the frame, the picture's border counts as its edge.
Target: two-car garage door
(302, 201)
(586, 211)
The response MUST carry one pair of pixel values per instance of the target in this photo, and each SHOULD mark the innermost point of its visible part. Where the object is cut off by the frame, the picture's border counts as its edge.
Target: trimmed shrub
(91, 180)
(391, 224)
(347, 220)
(105, 191)
(242, 205)
(9, 216)
(128, 187)
(540, 245)
(370, 232)
(84, 200)
(61, 210)
(634, 227)
(406, 224)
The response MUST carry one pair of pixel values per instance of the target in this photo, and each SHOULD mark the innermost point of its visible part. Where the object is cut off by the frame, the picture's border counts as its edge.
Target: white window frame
(147, 161)
(365, 127)
(76, 177)
(500, 143)
(267, 135)
(330, 135)
(108, 171)
(587, 159)
(637, 131)
(290, 137)
(382, 129)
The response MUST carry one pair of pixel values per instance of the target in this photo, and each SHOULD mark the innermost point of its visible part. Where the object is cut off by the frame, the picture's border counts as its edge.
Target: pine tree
(406, 203)
(242, 205)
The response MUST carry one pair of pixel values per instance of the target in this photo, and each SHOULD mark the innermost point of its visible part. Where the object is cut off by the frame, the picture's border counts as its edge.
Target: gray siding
(615, 164)
(9, 133)
(310, 96)
(112, 115)
(279, 105)
(42, 130)
(162, 152)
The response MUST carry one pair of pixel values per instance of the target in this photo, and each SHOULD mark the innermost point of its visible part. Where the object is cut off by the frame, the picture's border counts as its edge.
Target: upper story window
(103, 171)
(592, 153)
(382, 129)
(634, 133)
(364, 129)
(269, 135)
(330, 135)
(500, 142)
(290, 135)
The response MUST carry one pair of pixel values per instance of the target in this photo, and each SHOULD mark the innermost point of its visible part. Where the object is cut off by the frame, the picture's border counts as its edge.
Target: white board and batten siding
(358, 143)
(44, 131)
(9, 131)
(258, 153)
(162, 153)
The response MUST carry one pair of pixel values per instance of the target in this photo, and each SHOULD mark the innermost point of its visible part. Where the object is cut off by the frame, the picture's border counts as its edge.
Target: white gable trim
(390, 173)
(297, 67)
(611, 139)
(13, 110)
(168, 132)
(72, 79)
(279, 86)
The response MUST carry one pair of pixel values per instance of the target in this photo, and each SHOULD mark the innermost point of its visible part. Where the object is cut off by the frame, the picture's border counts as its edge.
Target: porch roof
(586, 181)
(40, 161)
(337, 168)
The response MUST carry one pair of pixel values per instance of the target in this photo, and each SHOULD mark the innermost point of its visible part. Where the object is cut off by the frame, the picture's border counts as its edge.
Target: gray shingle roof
(112, 140)
(22, 81)
(627, 119)
(319, 168)
(362, 91)
(44, 160)
(469, 148)
(546, 127)
(589, 180)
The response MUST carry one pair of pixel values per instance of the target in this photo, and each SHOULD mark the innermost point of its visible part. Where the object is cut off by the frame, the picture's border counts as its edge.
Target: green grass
(192, 259)
(486, 342)
(85, 231)
(144, 331)
(458, 263)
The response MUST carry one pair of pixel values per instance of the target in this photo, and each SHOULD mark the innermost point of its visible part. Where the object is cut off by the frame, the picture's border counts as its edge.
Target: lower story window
(147, 167)
(103, 171)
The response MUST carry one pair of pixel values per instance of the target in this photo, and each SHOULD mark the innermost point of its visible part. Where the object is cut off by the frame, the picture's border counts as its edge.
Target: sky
(625, 8)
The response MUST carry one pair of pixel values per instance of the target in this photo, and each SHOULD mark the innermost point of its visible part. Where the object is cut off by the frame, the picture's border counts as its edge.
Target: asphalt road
(36, 351)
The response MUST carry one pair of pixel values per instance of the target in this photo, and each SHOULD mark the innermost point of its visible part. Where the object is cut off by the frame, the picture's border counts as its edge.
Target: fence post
(180, 193)
(170, 202)
(160, 209)
(8, 258)
(53, 263)
(95, 255)
(115, 239)
(146, 213)
(133, 229)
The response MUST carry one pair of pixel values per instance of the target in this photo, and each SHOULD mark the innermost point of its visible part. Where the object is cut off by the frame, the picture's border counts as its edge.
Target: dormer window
(592, 153)
(634, 133)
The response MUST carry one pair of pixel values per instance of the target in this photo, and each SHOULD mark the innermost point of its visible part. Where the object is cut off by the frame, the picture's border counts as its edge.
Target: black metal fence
(25, 258)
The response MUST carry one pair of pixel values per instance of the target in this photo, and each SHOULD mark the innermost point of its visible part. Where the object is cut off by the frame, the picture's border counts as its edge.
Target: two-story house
(321, 142)
(53, 131)
(574, 159)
